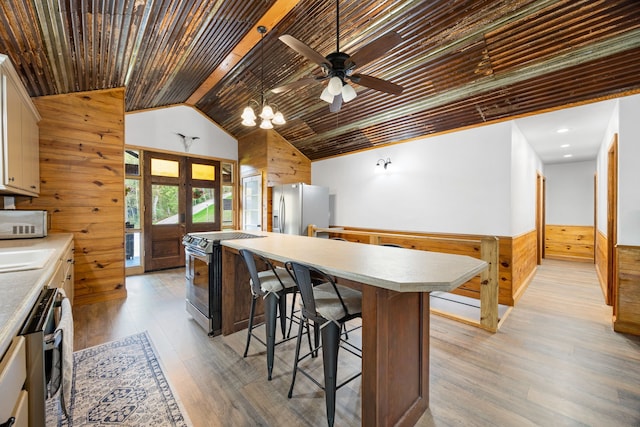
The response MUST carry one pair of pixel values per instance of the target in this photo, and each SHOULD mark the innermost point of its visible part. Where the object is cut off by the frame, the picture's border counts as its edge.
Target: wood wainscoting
(524, 262)
(627, 313)
(82, 185)
(569, 242)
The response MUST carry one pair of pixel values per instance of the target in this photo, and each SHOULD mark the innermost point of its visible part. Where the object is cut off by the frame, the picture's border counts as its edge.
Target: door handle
(282, 219)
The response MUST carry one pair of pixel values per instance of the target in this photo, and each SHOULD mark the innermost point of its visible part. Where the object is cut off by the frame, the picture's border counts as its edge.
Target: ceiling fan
(339, 67)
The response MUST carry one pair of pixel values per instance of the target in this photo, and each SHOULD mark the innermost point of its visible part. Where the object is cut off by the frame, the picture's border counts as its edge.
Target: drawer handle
(9, 422)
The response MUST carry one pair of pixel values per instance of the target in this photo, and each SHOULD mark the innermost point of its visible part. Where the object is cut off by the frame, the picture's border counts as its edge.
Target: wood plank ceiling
(461, 62)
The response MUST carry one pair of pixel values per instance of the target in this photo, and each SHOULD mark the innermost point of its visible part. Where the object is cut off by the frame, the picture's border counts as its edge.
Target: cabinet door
(13, 135)
(30, 152)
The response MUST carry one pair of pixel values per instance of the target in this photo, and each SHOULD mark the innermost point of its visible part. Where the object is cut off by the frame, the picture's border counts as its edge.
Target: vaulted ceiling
(460, 62)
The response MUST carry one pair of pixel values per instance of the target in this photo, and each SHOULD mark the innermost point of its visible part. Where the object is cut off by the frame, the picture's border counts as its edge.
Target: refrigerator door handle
(282, 213)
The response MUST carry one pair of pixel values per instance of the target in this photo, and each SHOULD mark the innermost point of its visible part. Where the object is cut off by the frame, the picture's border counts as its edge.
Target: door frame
(540, 216)
(612, 223)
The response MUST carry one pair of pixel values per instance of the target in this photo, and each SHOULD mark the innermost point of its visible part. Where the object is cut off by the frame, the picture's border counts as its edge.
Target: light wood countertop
(397, 269)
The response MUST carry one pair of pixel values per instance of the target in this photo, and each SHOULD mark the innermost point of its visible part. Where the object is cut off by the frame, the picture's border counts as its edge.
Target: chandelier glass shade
(269, 113)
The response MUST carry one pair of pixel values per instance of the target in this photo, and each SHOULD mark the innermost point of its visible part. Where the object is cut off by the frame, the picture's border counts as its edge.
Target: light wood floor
(555, 362)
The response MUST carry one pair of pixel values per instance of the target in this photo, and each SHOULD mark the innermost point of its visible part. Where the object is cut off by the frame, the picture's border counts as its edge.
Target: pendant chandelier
(269, 112)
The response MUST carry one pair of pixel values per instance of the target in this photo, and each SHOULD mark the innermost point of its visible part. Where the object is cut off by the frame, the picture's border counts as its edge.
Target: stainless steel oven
(42, 341)
(203, 271)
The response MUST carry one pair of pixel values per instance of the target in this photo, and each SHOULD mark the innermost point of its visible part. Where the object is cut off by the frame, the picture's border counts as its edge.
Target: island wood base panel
(395, 357)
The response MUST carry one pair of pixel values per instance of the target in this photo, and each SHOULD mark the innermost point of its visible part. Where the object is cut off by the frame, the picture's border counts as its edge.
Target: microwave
(22, 224)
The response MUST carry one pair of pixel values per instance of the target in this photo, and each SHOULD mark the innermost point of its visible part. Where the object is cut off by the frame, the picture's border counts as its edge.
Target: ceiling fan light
(335, 85)
(266, 124)
(248, 114)
(267, 112)
(348, 93)
(326, 96)
(278, 119)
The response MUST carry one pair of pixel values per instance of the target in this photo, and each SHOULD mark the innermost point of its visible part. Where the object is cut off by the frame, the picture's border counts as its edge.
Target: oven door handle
(197, 254)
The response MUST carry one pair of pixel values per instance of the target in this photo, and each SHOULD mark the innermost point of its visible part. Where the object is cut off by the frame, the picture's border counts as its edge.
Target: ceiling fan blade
(294, 85)
(375, 49)
(304, 50)
(336, 104)
(377, 84)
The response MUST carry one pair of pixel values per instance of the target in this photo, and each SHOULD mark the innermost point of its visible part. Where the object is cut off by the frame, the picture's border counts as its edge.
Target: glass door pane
(203, 205)
(252, 202)
(132, 217)
(164, 204)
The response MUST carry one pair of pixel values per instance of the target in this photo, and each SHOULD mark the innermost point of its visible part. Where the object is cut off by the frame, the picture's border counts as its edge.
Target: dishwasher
(44, 346)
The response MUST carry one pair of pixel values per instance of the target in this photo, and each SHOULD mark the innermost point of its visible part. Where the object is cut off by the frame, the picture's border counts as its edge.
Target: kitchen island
(395, 285)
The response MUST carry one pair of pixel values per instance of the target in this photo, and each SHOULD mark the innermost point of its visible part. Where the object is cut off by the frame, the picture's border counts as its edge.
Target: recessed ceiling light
(562, 130)
(568, 155)
(565, 145)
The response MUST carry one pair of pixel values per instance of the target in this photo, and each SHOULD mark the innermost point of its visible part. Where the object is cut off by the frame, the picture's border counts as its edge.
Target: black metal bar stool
(329, 306)
(272, 285)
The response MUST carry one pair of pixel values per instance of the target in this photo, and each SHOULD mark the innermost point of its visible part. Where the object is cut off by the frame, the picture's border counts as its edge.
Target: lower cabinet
(63, 275)
(13, 373)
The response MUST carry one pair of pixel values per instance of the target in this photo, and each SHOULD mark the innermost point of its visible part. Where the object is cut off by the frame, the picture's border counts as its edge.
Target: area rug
(120, 383)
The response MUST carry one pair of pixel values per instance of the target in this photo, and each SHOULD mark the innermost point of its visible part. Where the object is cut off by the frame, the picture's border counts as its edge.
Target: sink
(27, 259)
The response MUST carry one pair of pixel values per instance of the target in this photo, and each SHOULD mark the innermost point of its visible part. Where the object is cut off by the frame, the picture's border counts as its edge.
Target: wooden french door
(182, 195)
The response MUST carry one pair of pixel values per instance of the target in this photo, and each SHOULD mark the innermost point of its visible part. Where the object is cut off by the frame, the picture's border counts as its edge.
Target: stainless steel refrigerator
(295, 206)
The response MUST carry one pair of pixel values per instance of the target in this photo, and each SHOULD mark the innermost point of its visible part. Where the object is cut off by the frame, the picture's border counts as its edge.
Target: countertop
(397, 269)
(19, 290)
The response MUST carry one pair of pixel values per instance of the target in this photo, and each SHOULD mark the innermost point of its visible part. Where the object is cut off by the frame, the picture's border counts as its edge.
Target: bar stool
(329, 306)
(272, 285)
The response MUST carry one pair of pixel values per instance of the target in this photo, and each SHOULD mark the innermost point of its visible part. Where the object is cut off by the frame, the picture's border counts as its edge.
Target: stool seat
(274, 282)
(330, 307)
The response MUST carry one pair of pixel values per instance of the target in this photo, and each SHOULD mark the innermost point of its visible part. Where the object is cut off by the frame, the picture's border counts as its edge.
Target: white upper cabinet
(20, 165)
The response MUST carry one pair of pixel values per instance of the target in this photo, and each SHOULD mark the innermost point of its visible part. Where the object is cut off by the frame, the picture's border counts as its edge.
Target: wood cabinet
(63, 275)
(13, 373)
(20, 166)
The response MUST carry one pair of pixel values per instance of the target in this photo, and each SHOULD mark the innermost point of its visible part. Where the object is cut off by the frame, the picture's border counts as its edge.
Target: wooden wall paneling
(602, 262)
(286, 164)
(627, 318)
(82, 185)
(523, 261)
(570, 242)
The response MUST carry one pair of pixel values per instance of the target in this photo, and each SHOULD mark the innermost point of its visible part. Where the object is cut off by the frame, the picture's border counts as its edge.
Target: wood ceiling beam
(270, 19)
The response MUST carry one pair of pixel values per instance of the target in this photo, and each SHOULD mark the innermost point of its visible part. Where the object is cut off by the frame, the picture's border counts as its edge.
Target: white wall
(525, 165)
(454, 183)
(158, 129)
(570, 193)
(629, 171)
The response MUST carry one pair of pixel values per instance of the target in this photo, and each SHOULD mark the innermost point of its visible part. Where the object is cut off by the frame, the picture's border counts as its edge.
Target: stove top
(207, 240)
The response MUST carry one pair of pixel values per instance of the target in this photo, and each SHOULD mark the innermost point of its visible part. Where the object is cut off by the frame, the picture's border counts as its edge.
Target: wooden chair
(329, 306)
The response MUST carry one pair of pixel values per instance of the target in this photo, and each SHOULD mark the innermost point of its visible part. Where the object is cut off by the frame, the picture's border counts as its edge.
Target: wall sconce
(384, 163)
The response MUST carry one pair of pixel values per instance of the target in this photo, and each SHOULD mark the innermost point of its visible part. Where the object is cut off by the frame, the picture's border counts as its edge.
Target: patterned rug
(120, 383)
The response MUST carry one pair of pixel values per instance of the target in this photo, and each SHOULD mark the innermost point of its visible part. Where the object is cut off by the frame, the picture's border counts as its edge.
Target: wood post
(489, 284)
